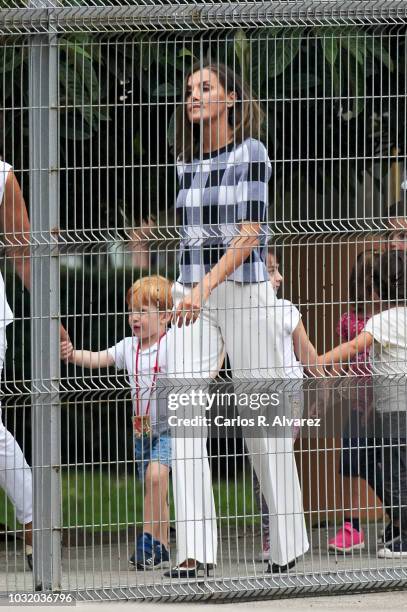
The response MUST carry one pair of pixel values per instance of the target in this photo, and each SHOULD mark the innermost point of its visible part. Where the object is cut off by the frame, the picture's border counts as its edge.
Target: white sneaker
(396, 550)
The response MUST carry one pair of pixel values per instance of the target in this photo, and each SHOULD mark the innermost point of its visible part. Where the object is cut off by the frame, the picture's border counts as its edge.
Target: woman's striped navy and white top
(216, 194)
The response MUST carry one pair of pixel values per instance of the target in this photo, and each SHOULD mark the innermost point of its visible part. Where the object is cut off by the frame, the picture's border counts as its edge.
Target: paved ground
(384, 601)
(396, 600)
(102, 572)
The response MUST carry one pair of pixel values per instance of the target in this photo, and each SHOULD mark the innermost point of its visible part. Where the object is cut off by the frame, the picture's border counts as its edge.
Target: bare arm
(87, 359)
(15, 224)
(237, 252)
(305, 350)
(92, 359)
(347, 350)
(16, 227)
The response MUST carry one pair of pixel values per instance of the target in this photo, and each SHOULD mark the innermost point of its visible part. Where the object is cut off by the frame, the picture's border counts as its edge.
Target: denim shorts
(148, 449)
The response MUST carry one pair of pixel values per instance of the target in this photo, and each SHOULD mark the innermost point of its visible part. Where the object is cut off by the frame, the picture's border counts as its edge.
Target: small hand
(189, 308)
(63, 334)
(324, 368)
(66, 350)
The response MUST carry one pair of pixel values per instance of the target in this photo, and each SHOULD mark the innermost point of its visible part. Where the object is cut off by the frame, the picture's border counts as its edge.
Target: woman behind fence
(15, 474)
(224, 302)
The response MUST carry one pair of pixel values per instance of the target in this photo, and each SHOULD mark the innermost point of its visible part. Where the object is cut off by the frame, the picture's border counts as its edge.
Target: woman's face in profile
(205, 98)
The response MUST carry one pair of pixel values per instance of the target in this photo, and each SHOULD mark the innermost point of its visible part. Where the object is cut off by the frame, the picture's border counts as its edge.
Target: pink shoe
(347, 539)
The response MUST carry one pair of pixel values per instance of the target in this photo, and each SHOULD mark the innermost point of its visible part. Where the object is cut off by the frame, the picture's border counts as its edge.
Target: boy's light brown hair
(152, 291)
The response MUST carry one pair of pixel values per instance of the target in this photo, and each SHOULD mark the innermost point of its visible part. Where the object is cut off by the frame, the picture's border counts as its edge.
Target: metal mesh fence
(202, 201)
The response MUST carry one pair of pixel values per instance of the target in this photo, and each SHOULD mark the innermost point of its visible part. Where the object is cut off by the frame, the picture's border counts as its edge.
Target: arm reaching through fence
(87, 359)
(346, 351)
(305, 350)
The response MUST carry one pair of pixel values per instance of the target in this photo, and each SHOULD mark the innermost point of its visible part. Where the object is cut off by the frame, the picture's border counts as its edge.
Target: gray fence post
(44, 214)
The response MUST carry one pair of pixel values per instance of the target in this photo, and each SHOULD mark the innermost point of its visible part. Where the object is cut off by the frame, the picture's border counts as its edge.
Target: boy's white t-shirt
(389, 330)
(124, 354)
(6, 314)
(290, 317)
(388, 359)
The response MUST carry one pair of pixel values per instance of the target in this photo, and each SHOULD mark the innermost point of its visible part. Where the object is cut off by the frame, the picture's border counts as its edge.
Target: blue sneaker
(161, 555)
(143, 556)
(149, 553)
(396, 550)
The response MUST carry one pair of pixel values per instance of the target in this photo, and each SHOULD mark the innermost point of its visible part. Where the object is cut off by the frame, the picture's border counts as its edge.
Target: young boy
(143, 355)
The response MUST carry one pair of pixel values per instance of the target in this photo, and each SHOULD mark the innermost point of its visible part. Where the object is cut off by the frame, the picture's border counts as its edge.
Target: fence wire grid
(203, 318)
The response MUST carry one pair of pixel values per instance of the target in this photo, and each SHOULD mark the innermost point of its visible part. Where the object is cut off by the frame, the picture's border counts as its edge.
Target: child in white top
(144, 355)
(385, 333)
(385, 337)
(298, 351)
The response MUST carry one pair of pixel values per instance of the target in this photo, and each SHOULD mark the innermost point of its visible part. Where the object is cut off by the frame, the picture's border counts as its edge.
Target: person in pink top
(357, 456)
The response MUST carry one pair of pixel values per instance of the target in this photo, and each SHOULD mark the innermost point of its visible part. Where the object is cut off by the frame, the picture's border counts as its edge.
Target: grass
(111, 501)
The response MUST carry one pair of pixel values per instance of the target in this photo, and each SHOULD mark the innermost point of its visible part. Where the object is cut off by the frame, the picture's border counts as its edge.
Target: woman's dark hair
(246, 117)
(390, 276)
(276, 252)
(361, 283)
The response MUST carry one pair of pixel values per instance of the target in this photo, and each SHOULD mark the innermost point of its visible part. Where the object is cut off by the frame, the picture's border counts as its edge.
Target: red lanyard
(155, 370)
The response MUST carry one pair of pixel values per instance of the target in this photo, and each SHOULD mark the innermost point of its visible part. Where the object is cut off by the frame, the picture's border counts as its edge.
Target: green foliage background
(335, 99)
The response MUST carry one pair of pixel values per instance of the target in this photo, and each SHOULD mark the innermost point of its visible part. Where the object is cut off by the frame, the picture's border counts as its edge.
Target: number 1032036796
(41, 598)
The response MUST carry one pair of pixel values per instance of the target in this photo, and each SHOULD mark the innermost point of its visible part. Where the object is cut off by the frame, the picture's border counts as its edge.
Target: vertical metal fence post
(44, 213)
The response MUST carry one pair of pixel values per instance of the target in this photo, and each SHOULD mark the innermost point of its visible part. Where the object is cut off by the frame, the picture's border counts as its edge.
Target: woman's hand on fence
(189, 308)
(66, 350)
